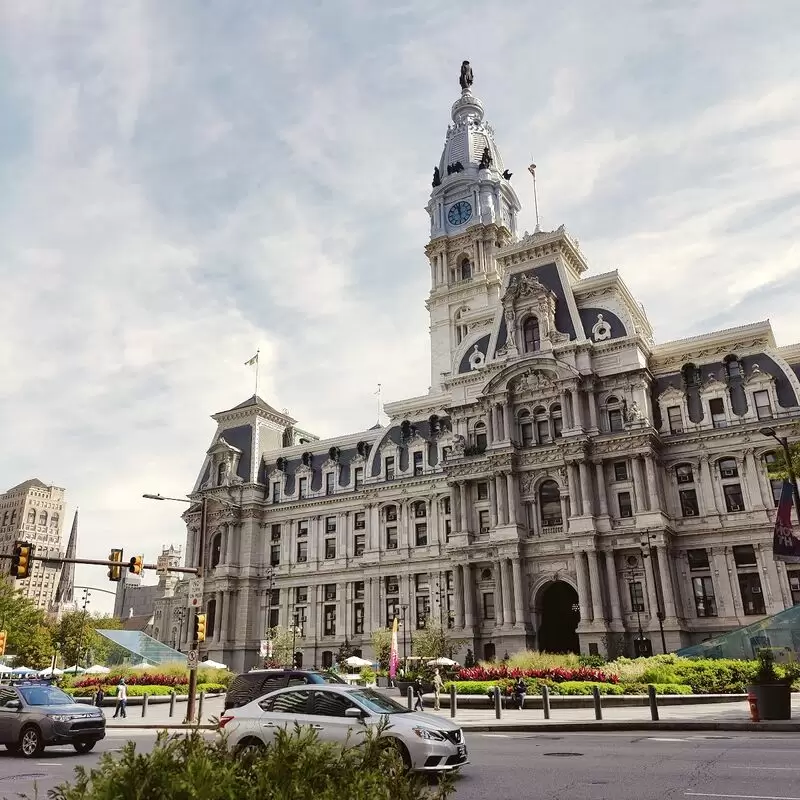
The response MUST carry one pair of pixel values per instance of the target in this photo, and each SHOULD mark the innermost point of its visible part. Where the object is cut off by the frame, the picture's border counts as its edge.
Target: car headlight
(60, 717)
(427, 733)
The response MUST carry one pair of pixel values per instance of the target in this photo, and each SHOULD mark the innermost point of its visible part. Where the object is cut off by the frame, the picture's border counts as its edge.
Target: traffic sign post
(162, 565)
(195, 598)
(192, 659)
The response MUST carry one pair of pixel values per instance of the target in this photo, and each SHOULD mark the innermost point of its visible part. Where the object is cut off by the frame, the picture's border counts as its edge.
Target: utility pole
(83, 626)
(190, 701)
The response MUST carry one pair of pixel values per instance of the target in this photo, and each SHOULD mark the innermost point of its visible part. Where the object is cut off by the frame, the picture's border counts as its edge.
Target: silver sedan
(340, 713)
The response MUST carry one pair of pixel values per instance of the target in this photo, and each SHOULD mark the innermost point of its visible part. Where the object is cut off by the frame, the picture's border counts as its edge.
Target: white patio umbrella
(97, 669)
(212, 665)
(356, 661)
(49, 672)
(75, 669)
(23, 671)
(442, 661)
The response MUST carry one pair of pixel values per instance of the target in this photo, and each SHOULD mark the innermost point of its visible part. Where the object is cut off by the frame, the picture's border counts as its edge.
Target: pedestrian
(418, 695)
(437, 689)
(99, 697)
(520, 690)
(122, 699)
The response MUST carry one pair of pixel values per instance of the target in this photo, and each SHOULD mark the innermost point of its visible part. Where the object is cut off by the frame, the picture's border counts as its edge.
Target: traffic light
(3, 637)
(200, 627)
(21, 560)
(135, 565)
(115, 573)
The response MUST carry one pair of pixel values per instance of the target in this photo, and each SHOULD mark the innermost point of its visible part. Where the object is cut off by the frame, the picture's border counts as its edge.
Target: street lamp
(784, 443)
(637, 606)
(295, 623)
(86, 593)
(648, 543)
(403, 609)
(268, 632)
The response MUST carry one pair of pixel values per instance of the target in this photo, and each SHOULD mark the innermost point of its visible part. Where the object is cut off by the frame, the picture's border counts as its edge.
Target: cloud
(182, 185)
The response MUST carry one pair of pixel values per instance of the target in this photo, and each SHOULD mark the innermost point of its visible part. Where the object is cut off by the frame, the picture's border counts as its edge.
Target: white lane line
(786, 769)
(663, 739)
(495, 735)
(741, 796)
(48, 764)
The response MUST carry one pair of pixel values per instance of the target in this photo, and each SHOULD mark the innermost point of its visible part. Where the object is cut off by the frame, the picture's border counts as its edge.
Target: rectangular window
(391, 538)
(794, 587)
(543, 431)
(684, 473)
(423, 610)
(330, 620)
(733, 497)
(625, 505)
(421, 534)
(328, 483)
(302, 552)
(300, 594)
(359, 543)
(329, 591)
(330, 548)
(483, 520)
(744, 555)
(620, 470)
(448, 529)
(275, 555)
(705, 603)
(358, 618)
(418, 468)
(689, 506)
(358, 478)
(752, 596)
(488, 605)
(637, 596)
(558, 425)
(303, 490)
(675, 418)
(716, 407)
(698, 559)
(274, 616)
(615, 420)
(360, 520)
(276, 491)
(302, 528)
(276, 532)
(446, 453)
(388, 468)
(392, 611)
(358, 590)
(763, 405)
(483, 490)
(526, 429)
(392, 584)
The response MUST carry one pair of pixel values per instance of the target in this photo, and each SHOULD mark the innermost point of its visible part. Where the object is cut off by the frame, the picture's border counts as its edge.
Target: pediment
(330, 464)
(276, 475)
(534, 382)
(388, 445)
(303, 469)
(671, 393)
(523, 287)
(758, 377)
(223, 446)
(713, 384)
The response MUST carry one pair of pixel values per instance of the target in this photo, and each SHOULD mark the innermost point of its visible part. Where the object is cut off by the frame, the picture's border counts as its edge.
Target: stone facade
(567, 483)
(34, 512)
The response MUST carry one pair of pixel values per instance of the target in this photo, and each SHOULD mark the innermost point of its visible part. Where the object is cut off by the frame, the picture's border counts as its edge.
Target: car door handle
(317, 727)
(268, 724)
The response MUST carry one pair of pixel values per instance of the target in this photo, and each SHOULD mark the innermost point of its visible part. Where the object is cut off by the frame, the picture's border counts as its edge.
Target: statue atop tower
(466, 76)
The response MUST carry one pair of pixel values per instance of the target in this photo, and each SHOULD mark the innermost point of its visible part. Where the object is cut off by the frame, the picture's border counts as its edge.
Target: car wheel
(84, 747)
(30, 742)
(249, 747)
(395, 744)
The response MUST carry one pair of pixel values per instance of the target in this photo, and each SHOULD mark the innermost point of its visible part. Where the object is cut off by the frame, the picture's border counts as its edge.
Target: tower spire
(66, 582)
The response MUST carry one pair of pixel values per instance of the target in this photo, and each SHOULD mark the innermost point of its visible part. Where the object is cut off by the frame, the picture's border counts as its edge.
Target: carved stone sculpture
(601, 329)
(476, 358)
(437, 177)
(459, 445)
(466, 77)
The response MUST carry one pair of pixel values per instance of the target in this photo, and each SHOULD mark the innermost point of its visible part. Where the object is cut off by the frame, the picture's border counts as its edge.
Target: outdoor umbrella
(23, 671)
(443, 662)
(97, 669)
(213, 665)
(75, 669)
(356, 661)
(49, 672)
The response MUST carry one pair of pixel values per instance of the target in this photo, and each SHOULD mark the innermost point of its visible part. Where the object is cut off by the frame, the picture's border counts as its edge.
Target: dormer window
(716, 407)
(531, 336)
(465, 269)
(733, 368)
(480, 435)
(614, 411)
(303, 488)
(222, 473)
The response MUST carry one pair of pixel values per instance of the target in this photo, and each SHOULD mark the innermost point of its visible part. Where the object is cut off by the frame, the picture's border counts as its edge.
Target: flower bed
(554, 674)
(133, 691)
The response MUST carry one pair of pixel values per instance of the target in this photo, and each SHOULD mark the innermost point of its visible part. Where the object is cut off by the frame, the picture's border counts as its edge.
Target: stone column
(613, 586)
(219, 618)
(433, 521)
(583, 584)
(502, 514)
(458, 596)
(492, 503)
(512, 498)
(574, 490)
(577, 410)
(602, 494)
(519, 592)
(508, 422)
(667, 586)
(491, 429)
(455, 506)
(499, 601)
(469, 597)
(722, 583)
(638, 483)
(712, 485)
(464, 506)
(783, 582)
(587, 506)
(310, 628)
(652, 482)
(650, 579)
(594, 580)
(344, 601)
(508, 605)
(564, 512)
(566, 411)
(375, 614)
(591, 400)
(753, 480)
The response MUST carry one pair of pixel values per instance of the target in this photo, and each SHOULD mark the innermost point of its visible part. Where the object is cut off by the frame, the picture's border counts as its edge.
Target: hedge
(585, 688)
(661, 688)
(555, 674)
(133, 691)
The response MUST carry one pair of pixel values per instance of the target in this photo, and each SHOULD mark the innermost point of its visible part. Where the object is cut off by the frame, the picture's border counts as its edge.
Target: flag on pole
(785, 545)
(394, 658)
(253, 360)
(532, 169)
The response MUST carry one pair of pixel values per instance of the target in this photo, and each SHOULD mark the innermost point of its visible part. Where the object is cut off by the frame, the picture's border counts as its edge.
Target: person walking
(418, 695)
(99, 697)
(438, 683)
(122, 699)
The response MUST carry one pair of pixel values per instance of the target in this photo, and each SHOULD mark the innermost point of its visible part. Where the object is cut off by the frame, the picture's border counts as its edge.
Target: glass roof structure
(143, 648)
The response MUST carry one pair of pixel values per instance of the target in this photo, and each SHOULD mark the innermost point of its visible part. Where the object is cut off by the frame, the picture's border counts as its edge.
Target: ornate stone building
(567, 482)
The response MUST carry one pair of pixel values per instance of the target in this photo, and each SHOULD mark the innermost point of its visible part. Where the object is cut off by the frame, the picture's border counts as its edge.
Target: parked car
(251, 685)
(340, 713)
(34, 715)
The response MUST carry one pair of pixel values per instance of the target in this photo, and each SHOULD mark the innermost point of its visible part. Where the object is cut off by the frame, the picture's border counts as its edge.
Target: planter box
(383, 683)
(774, 700)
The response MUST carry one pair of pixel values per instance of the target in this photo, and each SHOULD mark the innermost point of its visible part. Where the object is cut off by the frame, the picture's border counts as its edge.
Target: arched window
(542, 422)
(216, 550)
(465, 269)
(550, 503)
(461, 327)
(13, 516)
(43, 518)
(728, 468)
(390, 513)
(54, 520)
(222, 473)
(530, 335)
(420, 509)
(614, 414)
(558, 420)
(480, 435)
(525, 428)
(5, 518)
(31, 517)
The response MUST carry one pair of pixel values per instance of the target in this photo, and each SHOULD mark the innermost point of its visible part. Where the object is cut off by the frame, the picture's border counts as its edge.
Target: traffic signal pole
(190, 703)
(100, 563)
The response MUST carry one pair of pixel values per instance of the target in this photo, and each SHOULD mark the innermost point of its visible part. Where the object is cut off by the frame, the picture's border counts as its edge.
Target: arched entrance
(560, 616)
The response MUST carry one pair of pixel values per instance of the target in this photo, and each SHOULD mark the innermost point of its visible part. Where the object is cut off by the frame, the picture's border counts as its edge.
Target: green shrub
(660, 673)
(133, 691)
(591, 661)
(531, 659)
(585, 687)
(208, 688)
(296, 766)
(716, 676)
(661, 688)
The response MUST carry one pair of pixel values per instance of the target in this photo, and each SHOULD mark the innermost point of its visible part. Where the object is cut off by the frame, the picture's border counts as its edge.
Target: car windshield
(45, 696)
(332, 677)
(378, 703)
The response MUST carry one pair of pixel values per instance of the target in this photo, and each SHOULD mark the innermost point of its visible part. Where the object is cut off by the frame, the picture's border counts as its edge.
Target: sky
(184, 183)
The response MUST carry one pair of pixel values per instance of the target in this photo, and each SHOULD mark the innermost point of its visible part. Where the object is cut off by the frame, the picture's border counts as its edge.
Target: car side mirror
(14, 704)
(354, 713)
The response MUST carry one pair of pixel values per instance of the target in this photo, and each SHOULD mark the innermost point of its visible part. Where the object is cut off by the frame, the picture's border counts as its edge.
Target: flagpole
(257, 361)
(379, 393)
(532, 170)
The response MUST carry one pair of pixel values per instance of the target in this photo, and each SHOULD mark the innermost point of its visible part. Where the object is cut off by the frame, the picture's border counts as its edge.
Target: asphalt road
(570, 766)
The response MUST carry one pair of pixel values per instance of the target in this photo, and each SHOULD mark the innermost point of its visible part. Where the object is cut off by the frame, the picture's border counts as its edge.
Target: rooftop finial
(466, 76)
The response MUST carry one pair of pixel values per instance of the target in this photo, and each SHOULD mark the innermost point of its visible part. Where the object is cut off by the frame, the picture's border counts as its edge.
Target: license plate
(462, 750)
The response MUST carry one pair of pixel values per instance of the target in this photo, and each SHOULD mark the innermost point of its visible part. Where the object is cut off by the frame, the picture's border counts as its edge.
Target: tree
(283, 642)
(382, 645)
(19, 616)
(36, 651)
(434, 641)
(777, 470)
(345, 651)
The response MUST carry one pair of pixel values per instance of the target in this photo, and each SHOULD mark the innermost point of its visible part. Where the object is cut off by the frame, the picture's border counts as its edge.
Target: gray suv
(35, 715)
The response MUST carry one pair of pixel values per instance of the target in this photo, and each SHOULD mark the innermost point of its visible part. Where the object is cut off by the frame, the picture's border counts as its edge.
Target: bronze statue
(437, 177)
(466, 75)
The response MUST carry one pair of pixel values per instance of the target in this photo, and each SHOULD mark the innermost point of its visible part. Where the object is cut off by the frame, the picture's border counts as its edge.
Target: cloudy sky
(184, 182)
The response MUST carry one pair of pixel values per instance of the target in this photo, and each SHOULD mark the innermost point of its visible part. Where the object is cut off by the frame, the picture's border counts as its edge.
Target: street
(570, 766)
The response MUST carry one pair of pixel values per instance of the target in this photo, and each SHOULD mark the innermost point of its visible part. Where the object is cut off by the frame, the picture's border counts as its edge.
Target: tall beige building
(33, 512)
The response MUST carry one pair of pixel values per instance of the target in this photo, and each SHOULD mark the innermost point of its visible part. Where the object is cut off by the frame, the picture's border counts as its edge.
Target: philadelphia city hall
(566, 484)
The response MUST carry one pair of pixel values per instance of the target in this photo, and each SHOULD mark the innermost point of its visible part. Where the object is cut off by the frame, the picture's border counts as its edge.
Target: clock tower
(473, 212)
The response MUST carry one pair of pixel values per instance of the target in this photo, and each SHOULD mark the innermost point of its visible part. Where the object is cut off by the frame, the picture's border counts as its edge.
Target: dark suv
(251, 685)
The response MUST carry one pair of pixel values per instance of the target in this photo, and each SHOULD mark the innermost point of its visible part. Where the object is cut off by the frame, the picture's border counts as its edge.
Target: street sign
(195, 599)
(192, 659)
(162, 565)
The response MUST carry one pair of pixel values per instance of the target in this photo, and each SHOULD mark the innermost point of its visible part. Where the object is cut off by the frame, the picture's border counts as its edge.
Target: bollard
(144, 704)
(546, 702)
(200, 708)
(753, 703)
(651, 692)
(598, 703)
(172, 703)
(498, 703)
(453, 700)
(410, 698)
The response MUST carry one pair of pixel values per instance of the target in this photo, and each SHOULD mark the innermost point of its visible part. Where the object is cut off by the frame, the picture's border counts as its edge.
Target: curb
(154, 726)
(644, 725)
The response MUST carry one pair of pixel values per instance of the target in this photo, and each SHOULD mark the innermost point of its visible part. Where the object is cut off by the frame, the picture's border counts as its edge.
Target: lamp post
(86, 593)
(403, 609)
(631, 575)
(268, 627)
(647, 542)
(294, 639)
(784, 443)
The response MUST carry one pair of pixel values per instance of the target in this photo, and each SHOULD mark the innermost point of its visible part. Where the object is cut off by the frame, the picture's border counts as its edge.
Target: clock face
(459, 213)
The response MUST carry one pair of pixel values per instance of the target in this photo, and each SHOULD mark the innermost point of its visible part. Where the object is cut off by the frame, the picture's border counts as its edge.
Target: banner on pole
(785, 544)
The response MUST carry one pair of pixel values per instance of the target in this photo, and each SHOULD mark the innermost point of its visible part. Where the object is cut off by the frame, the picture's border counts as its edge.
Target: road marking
(48, 764)
(663, 739)
(738, 766)
(742, 796)
(495, 735)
